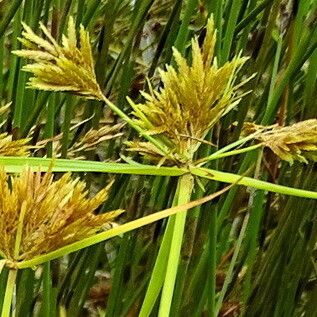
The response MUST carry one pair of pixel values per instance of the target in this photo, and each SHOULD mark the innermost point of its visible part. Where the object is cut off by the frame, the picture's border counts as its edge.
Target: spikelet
(94, 137)
(88, 142)
(39, 215)
(13, 148)
(68, 67)
(193, 98)
(297, 142)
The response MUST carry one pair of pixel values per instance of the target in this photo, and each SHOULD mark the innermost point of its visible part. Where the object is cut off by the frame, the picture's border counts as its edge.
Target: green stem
(275, 66)
(158, 272)
(212, 261)
(291, 69)
(49, 128)
(228, 147)
(185, 190)
(229, 273)
(9, 15)
(66, 125)
(221, 155)
(251, 17)
(183, 30)
(229, 32)
(47, 290)
(6, 308)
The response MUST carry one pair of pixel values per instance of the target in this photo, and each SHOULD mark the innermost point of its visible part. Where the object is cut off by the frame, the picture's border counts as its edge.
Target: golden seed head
(297, 142)
(66, 67)
(193, 98)
(13, 148)
(39, 215)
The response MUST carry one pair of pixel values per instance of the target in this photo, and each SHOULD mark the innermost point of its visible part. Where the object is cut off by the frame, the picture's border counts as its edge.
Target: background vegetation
(250, 252)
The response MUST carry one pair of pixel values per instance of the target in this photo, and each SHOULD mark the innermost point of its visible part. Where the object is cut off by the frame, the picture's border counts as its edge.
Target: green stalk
(251, 16)
(277, 57)
(47, 291)
(9, 15)
(252, 237)
(185, 190)
(18, 236)
(41, 100)
(92, 7)
(115, 296)
(212, 265)
(180, 41)
(66, 125)
(49, 128)
(216, 156)
(1, 67)
(289, 72)
(229, 273)
(251, 182)
(81, 288)
(227, 148)
(255, 210)
(20, 97)
(6, 308)
(310, 85)
(229, 32)
(141, 10)
(165, 41)
(14, 60)
(158, 272)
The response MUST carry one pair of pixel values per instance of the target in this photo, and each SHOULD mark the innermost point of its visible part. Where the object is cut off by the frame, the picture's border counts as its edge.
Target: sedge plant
(172, 123)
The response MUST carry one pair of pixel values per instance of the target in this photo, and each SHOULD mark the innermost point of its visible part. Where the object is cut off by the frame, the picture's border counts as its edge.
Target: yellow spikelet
(39, 215)
(297, 142)
(69, 67)
(193, 98)
(13, 148)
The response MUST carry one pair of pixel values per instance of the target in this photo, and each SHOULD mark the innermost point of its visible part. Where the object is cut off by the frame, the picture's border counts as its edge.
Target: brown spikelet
(193, 98)
(39, 215)
(68, 67)
(96, 136)
(90, 141)
(297, 142)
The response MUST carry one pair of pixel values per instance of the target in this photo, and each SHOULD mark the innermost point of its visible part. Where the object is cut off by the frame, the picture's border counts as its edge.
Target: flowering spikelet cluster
(13, 148)
(88, 142)
(39, 215)
(69, 67)
(295, 142)
(193, 98)
(94, 137)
